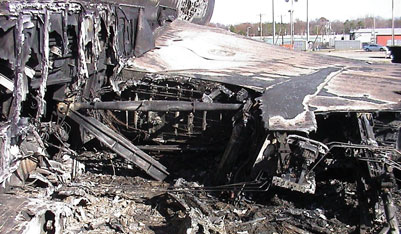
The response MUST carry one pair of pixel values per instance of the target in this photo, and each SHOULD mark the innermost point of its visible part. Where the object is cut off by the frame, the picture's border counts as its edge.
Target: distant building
(381, 36)
(279, 40)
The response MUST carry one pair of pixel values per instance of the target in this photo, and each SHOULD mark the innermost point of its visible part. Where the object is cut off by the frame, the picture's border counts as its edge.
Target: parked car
(375, 47)
(365, 44)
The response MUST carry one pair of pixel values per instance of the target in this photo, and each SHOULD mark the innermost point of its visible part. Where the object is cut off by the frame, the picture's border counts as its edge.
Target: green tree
(360, 24)
(232, 29)
(347, 26)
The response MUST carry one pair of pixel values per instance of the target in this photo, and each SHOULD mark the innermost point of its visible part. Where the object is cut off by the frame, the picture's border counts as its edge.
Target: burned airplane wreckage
(146, 78)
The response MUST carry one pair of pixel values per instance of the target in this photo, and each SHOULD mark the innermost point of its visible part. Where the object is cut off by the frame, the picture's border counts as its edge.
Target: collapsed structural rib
(121, 145)
(162, 106)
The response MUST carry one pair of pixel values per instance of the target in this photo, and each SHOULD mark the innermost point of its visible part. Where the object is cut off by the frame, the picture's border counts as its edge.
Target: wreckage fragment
(157, 106)
(121, 146)
(126, 78)
(72, 49)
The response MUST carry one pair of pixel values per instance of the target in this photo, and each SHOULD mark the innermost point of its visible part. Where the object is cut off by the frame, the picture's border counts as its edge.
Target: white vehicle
(375, 47)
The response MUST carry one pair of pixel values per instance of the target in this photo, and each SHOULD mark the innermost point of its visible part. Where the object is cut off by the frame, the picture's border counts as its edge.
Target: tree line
(318, 26)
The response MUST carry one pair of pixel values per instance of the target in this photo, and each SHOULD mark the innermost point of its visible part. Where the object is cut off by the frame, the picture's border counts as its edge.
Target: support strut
(157, 106)
(121, 145)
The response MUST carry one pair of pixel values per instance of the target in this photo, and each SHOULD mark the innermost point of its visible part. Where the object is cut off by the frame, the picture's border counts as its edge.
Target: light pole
(374, 30)
(392, 25)
(274, 23)
(292, 19)
(281, 28)
(261, 28)
(307, 21)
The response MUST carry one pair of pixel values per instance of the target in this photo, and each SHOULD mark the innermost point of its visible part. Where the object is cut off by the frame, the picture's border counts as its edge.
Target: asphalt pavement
(378, 56)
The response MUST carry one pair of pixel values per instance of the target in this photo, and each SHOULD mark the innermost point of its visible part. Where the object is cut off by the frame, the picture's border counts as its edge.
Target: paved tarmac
(359, 55)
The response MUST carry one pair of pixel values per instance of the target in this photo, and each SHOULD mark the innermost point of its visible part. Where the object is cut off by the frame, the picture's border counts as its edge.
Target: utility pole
(307, 21)
(392, 27)
(282, 34)
(261, 28)
(274, 23)
(292, 20)
(374, 30)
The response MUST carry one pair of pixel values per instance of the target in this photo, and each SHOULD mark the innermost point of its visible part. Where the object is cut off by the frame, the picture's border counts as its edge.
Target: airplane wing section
(295, 85)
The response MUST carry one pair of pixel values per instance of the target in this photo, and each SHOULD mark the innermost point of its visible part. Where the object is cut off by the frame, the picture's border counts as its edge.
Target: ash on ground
(115, 199)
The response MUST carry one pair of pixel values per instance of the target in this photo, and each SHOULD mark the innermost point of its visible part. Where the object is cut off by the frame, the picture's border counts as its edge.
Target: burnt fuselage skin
(55, 53)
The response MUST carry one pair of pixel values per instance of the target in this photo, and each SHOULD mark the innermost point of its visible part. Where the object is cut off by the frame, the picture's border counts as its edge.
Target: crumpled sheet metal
(213, 54)
(35, 20)
(45, 65)
(42, 208)
(196, 11)
(20, 81)
(11, 153)
(32, 24)
(198, 215)
(25, 215)
(79, 44)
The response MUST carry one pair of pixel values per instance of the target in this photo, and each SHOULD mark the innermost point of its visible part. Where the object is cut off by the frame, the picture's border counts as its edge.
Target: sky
(241, 11)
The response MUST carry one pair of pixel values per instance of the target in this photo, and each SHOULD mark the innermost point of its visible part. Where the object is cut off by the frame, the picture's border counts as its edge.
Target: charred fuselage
(79, 76)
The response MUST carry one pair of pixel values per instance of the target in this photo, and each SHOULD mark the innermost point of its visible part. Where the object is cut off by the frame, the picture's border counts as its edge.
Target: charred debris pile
(89, 146)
